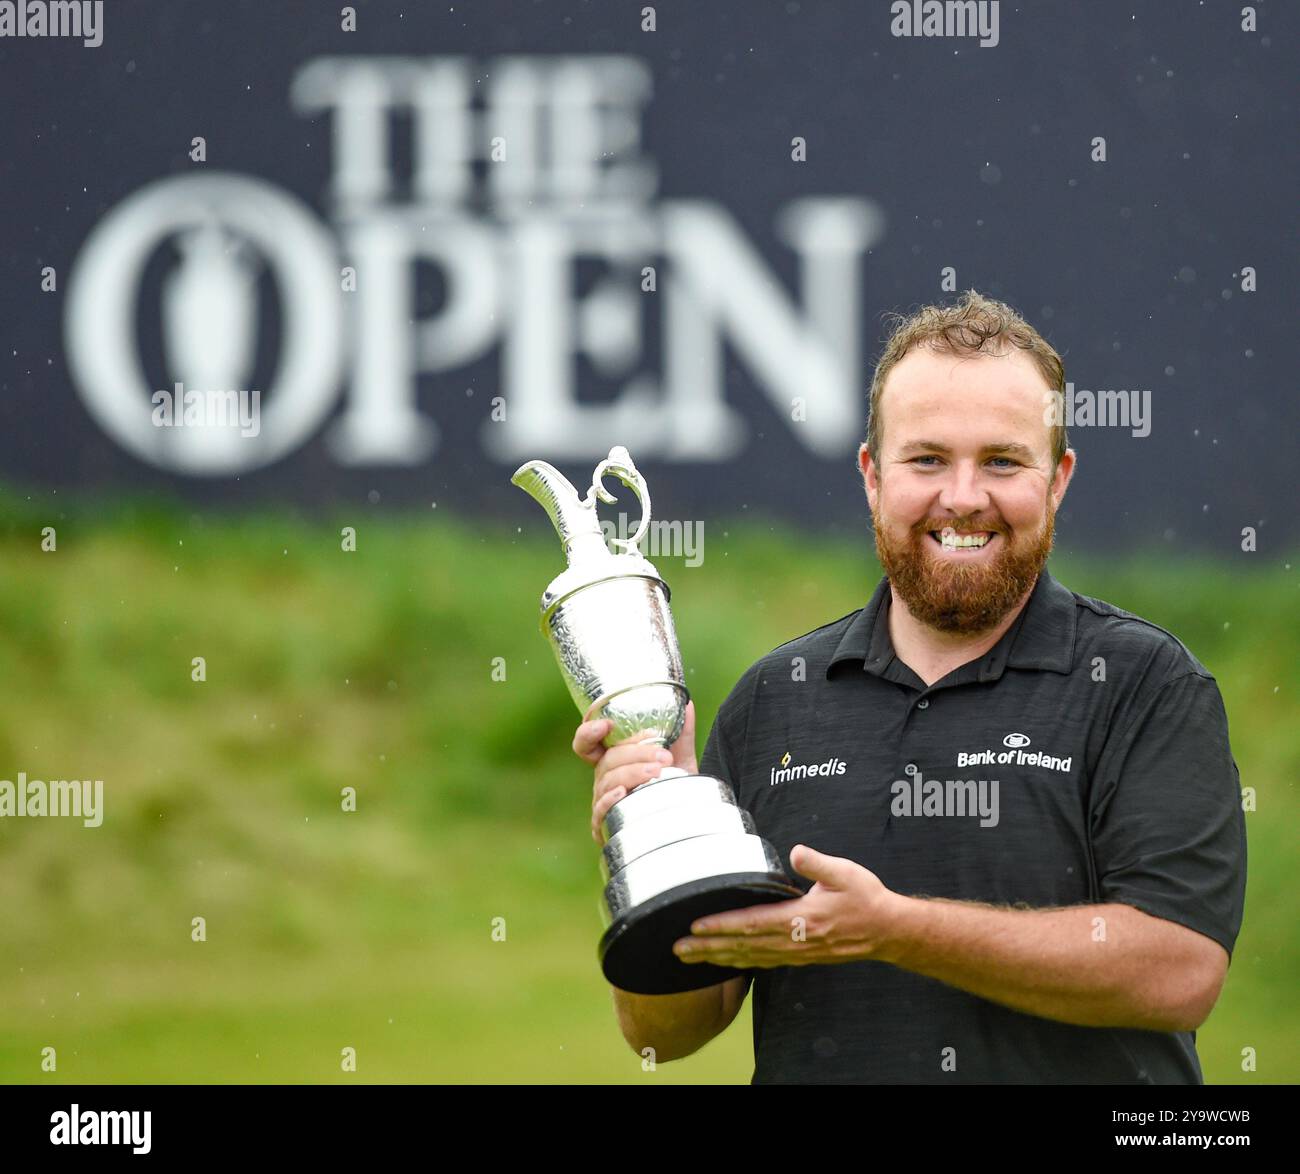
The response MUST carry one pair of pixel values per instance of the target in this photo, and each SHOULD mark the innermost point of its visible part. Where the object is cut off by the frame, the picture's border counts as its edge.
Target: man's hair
(973, 324)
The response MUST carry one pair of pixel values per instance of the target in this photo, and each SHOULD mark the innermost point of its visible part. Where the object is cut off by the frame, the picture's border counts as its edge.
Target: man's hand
(623, 768)
(1144, 972)
(847, 916)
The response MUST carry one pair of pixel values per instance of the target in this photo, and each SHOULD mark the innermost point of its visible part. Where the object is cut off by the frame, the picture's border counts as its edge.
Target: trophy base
(636, 952)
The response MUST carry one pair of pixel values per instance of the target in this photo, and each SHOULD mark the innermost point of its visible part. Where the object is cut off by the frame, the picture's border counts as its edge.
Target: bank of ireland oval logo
(1015, 741)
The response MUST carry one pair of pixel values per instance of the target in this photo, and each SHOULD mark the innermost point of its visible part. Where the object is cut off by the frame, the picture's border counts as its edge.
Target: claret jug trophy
(677, 847)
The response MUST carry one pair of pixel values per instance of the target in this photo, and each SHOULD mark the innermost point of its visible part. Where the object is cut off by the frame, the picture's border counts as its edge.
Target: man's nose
(962, 491)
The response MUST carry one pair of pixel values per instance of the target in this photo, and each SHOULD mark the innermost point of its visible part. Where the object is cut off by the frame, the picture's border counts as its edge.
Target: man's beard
(958, 598)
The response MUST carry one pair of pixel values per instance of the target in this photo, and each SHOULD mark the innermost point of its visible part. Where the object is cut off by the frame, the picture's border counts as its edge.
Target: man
(1013, 809)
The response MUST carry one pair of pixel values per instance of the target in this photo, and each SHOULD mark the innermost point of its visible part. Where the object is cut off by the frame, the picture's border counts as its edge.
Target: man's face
(965, 457)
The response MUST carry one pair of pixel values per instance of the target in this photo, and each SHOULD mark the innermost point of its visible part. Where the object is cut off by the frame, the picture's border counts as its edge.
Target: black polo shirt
(1082, 760)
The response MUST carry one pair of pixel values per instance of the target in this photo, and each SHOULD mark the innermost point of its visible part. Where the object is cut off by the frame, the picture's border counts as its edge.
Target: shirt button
(924, 703)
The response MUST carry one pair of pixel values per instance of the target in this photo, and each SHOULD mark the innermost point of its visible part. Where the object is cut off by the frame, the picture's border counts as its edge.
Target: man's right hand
(622, 768)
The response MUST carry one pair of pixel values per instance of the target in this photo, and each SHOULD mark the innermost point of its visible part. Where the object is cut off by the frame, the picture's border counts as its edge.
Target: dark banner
(312, 252)
(89, 1123)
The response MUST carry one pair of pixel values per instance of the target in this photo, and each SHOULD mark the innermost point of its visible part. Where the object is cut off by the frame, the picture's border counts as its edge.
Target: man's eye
(1007, 462)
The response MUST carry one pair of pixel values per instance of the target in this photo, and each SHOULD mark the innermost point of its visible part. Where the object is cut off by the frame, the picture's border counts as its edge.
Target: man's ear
(870, 475)
(1061, 481)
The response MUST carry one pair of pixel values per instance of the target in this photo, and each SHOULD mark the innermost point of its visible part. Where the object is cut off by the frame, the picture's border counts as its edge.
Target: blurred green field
(373, 669)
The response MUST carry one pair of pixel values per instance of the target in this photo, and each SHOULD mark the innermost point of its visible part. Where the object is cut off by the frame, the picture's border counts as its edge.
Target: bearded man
(1027, 861)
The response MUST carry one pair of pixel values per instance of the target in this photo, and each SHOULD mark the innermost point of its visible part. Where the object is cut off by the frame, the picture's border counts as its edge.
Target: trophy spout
(574, 519)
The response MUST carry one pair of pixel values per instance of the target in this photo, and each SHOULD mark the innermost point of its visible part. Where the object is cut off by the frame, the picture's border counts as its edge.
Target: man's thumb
(817, 866)
(683, 749)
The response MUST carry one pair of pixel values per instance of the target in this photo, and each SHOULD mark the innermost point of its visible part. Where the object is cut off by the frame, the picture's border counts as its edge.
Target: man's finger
(587, 740)
(603, 804)
(756, 952)
(629, 776)
(756, 921)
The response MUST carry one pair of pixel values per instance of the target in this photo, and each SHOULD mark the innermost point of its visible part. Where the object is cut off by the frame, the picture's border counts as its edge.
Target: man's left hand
(847, 916)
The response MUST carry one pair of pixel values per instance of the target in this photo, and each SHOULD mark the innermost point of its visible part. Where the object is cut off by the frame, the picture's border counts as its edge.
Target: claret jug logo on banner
(521, 169)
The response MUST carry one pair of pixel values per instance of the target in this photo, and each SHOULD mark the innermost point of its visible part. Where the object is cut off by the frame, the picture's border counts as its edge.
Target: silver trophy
(677, 847)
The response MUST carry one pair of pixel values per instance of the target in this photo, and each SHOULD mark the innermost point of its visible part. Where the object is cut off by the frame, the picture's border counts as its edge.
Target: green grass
(373, 930)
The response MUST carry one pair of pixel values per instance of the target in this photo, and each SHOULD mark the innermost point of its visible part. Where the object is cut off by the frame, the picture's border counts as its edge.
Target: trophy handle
(619, 464)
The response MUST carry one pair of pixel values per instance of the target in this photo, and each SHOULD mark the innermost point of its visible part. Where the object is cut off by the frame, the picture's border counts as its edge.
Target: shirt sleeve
(716, 760)
(724, 752)
(1168, 832)
(723, 756)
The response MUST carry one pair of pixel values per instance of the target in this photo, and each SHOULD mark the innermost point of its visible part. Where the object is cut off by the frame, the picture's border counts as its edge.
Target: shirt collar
(1042, 636)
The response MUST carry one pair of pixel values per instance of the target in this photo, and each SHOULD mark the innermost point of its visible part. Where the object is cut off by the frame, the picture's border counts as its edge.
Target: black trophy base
(636, 952)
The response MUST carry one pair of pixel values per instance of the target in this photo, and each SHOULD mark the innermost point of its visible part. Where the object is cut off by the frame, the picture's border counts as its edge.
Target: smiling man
(1026, 861)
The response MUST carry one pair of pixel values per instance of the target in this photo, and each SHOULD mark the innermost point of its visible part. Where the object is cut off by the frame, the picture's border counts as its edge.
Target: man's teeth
(954, 541)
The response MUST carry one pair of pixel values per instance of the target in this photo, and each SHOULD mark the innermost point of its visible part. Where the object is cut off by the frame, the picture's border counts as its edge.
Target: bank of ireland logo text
(522, 170)
(1015, 754)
